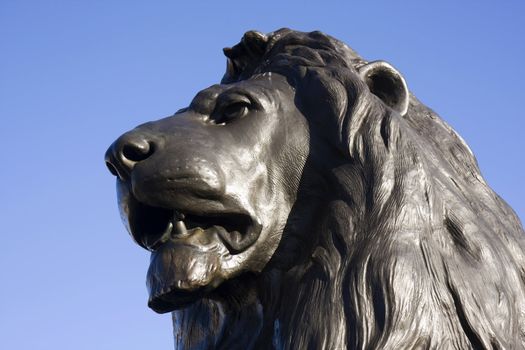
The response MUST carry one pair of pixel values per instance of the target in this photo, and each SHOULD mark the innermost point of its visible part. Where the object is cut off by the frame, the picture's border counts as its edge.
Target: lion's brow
(205, 100)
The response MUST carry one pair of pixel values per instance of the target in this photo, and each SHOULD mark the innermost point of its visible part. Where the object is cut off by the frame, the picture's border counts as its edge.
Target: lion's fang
(179, 227)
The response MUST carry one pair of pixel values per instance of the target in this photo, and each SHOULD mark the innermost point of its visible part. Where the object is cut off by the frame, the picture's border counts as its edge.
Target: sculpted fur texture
(309, 201)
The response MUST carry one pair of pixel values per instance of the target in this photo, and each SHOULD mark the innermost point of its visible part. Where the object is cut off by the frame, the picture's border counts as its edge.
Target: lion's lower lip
(237, 231)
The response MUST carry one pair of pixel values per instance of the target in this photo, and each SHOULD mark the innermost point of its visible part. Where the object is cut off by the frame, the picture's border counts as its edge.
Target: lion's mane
(413, 249)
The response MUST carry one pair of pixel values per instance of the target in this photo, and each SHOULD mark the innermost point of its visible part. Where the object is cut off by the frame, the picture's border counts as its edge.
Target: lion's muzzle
(153, 165)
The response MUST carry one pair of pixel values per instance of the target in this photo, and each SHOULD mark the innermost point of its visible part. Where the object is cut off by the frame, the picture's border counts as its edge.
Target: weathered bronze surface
(309, 201)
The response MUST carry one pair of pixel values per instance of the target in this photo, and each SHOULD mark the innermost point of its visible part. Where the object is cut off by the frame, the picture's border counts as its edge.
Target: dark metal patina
(309, 201)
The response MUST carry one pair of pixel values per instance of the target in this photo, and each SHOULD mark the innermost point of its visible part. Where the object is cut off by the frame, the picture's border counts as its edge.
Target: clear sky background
(74, 75)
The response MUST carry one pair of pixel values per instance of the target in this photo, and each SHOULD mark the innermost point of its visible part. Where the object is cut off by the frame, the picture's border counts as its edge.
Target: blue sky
(74, 75)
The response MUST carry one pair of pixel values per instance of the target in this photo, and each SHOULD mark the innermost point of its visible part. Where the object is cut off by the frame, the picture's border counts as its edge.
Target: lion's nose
(126, 152)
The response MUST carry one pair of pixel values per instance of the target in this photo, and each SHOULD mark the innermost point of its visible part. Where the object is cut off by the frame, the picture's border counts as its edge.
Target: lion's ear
(244, 56)
(387, 83)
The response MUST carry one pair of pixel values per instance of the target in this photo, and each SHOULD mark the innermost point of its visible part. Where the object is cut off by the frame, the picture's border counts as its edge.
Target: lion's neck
(211, 324)
(233, 318)
(292, 318)
(309, 312)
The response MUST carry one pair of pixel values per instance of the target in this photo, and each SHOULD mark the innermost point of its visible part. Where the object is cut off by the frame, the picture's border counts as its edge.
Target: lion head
(310, 201)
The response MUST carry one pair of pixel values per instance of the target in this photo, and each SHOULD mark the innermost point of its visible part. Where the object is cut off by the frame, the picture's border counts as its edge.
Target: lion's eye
(230, 106)
(234, 111)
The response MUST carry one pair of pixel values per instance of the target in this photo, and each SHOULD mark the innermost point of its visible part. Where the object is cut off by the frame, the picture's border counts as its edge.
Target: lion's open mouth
(186, 248)
(153, 226)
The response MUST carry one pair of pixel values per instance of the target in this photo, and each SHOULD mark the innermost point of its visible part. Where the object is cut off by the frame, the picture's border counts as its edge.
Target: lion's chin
(180, 272)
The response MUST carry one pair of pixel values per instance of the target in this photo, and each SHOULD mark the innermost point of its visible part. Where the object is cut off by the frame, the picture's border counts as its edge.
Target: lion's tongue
(179, 268)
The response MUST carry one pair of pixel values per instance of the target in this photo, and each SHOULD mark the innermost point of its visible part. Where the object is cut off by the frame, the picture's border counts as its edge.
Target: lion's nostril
(126, 152)
(137, 151)
(111, 168)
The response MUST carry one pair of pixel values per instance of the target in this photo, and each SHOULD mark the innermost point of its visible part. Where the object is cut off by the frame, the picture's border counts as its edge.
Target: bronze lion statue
(309, 201)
